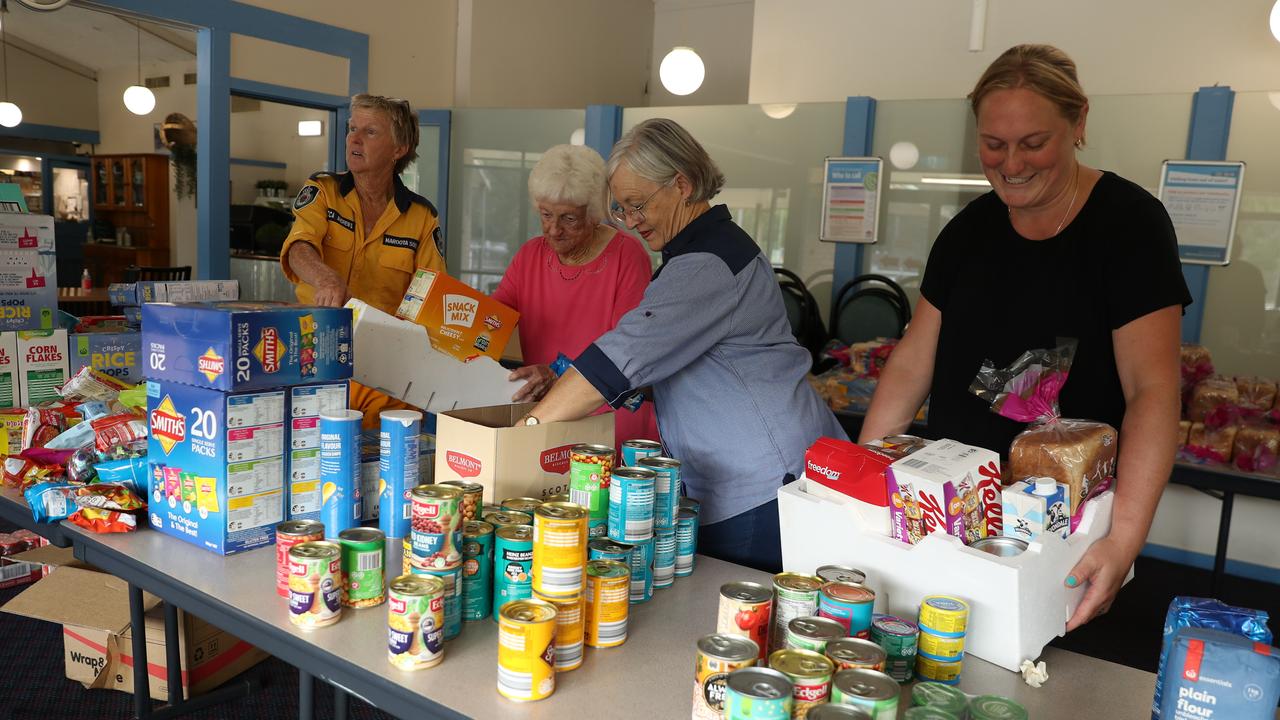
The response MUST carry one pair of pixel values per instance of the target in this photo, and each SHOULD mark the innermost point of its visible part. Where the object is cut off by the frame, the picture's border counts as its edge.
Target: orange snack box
(460, 320)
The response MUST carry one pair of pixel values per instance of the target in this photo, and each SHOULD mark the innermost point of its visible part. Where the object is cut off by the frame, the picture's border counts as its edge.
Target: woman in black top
(1057, 250)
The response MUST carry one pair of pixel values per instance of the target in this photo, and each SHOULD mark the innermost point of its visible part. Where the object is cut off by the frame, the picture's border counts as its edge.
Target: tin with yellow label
(608, 602)
(810, 675)
(571, 615)
(559, 549)
(527, 650)
(718, 655)
(944, 615)
(947, 673)
(315, 584)
(415, 622)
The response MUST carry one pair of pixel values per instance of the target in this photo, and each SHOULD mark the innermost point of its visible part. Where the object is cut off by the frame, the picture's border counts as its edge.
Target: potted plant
(266, 188)
(179, 135)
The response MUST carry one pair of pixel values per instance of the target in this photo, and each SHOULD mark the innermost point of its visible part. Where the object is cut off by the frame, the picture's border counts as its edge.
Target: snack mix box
(235, 346)
(460, 320)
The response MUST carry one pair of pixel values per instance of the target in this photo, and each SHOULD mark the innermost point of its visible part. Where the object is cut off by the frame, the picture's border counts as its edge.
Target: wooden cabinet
(132, 192)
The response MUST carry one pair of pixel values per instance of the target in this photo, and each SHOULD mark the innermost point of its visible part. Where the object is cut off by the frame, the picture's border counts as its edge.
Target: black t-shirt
(1001, 295)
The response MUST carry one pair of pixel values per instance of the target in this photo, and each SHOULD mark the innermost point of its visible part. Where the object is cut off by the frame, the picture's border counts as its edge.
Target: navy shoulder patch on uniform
(322, 173)
(306, 196)
(438, 236)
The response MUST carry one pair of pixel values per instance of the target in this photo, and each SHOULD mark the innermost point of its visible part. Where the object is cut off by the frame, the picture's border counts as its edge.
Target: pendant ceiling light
(138, 98)
(10, 114)
(681, 71)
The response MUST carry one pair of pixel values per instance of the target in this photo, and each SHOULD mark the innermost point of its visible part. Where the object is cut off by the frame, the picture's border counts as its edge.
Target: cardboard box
(42, 365)
(113, 353)
(93, 609)
(371, 454)
(306, 402)
(480, 445)
(396, 358)
(10, 389)
(461, 321)
(935, 489)
(11, 420)
(245, 346)
(28, 272)
(216, 463)
(175, 291)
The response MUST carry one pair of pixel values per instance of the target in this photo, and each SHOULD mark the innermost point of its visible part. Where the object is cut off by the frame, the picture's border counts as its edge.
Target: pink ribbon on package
(1033, 396)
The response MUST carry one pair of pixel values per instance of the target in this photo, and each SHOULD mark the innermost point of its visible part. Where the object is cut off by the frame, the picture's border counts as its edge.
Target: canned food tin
(526, 650)
(942, 649)
(688, 503)
(827, 711)
(686, 541)
(794, 595)
(472, 498)
(590, 469)
(340, 470)
(718, 655)
(664, 558)
(633, 450)
(559, 549)
(810, 676)
(745, 609)
(513, 554)
(642, 572)
(631, 504)
(756, 693)
(811, 633)
(896, 635)
(1000, 546)
(437, 527)
(608, 593)
(407, 560)
(524, 505)
(571, 616)
(364, 551)
(288, 534)
(487, 508)
(397, 469)
(941, 696)
(870, 690)
(415, 622)
(503, 518)
(606, 549)
(452, 579)
(856, 654)
(666, 492)
(558, 497)
(315, 584)
(848, 604)
(994, 707)
(947, 673)
(944, 615)
(477, 570)
(928, 713)
(841, 573)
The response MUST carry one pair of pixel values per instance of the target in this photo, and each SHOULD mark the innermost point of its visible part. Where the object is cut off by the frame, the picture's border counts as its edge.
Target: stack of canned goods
(590, 472)
(687, 521)
(512, 562)
(631, 502)
(477, 570)
(436, 546)
(666, 508)
(940, 650)
(898, 636)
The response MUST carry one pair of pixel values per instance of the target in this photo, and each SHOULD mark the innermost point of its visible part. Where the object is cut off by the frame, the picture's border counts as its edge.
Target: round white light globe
(681, 71)
(578, 137)
(777, 111)
(1275, 20)
(139, 100)
(904, 155)
(10, 114)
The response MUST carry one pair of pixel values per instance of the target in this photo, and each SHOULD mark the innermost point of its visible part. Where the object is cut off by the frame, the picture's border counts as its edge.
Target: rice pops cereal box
(233, 346)
(28, 272)
(1214, 674)
(302, 469)
(217, 465)
(936, 489)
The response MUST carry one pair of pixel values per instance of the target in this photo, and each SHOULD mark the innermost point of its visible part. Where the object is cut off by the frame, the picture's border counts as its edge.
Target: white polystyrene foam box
(1017, 605)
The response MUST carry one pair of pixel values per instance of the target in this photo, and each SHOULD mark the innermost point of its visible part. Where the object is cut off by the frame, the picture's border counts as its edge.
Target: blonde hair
(659, 149)
(404, 124)
(571, 174)
(1042, 69)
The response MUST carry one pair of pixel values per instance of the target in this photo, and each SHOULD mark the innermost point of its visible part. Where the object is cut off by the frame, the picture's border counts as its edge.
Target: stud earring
(1079, 143)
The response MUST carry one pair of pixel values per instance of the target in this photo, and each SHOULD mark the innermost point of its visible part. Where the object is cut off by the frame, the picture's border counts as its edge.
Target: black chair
(868, 307)
(802, 312)
(135, 273)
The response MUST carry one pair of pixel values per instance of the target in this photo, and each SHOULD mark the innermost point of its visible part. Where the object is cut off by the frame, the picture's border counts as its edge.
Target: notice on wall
(1203, 200)
(851, 199)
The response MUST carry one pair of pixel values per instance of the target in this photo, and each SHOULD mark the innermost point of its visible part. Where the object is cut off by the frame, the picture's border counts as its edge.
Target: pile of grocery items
(1227, 419)
(847, 374)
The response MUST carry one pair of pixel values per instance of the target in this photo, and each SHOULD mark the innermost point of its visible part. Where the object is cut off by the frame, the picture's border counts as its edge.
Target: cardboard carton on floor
(480, 445)
(461, 321)
(93, 608)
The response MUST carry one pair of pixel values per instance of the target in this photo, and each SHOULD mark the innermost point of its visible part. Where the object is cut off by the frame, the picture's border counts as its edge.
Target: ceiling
(88, 41)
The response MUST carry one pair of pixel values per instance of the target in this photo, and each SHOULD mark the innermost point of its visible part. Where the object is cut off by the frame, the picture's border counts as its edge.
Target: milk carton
(1035, 507)
(9, 385)
(28, 272)
(114, 354)
(306, 402)
(42, 365)
(929, 490)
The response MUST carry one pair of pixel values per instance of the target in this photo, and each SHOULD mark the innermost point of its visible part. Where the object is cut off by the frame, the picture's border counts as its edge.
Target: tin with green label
(363, 566)
(994, 707)
(929, 713)
(944, 697)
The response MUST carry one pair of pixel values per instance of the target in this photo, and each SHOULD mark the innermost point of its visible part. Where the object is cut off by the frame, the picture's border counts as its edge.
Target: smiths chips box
(461, 321)
(245, 346)
(216, 464)
(306, 403)
(115, 354)
(28, 294)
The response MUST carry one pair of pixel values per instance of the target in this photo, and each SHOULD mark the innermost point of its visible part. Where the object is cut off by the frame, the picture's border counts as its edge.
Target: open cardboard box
(93, 609)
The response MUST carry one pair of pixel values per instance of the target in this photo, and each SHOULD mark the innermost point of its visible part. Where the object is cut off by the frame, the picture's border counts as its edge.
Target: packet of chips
(104, 521)
(50, 501)
(90, 384)
(117, 430)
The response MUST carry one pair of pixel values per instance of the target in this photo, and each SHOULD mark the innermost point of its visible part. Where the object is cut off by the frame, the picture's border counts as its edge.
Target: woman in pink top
(572, 283)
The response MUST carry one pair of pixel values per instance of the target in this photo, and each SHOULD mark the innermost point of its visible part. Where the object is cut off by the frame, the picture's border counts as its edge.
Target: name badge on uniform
(400, 242)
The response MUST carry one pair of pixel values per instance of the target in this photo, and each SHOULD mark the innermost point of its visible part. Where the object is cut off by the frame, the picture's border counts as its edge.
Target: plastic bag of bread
(1197, 364)
(1209, 394)
(1208, 443)
(1078, 453)
(1184, 431)
(1256, 393)
(1256, 448)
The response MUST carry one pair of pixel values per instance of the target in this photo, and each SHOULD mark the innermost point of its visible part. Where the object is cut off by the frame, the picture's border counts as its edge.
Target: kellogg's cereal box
(938, 489)
(460, 321)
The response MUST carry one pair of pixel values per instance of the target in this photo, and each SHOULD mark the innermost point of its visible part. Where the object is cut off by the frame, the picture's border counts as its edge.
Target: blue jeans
(750, 539)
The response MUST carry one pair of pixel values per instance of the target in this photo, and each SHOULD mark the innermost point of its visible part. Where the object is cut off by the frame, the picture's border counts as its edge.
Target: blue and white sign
(851, 199)
(1203, 200)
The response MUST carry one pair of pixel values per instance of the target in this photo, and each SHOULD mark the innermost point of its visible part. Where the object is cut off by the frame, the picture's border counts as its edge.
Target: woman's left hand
(540, 379)
(1104, 566)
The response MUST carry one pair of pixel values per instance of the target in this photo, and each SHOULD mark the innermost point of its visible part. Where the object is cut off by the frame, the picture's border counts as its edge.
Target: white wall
(720, 31)
(271, 133)
(823, 50)
(50, 95)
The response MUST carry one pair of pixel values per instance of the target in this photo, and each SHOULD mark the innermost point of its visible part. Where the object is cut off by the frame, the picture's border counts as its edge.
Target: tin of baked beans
(415, 622)
(944, 615)
(870, 690)
(945, 697)
(633, 450)
(794, 595)
(590, 470)
(559, 549)
(841, 573)
(745, 609)
(631, 504)
(758, 693)
(898, 636)
(524, 505)
(926, 713)
(526, 650)
(686, 541)
(1000, 545)
(477, 570)
(947, 673)
(810, 675)
(512, 561)
(642, 572)
(829, 711)
(718, 655)
(608, 596)
(848, 604)
(399, 436)
(437, 527)
(939, 648)
(288, 534)
(571, 615)
(994, 707)
(315, 584)
(364, 552)
(452, 579)
(811, 633)
(856, 654)
(504, 518)
(472, 498)
(666, 489)
(606, 549)
(664, 558)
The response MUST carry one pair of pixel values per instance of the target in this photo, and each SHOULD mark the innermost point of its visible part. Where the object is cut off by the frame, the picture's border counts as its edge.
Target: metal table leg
(340, 700)
(141, 683)
(173, 654)
(306, 695)
(1224, 535)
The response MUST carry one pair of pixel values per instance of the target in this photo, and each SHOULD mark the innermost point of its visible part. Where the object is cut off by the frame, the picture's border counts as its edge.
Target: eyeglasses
(620, 213)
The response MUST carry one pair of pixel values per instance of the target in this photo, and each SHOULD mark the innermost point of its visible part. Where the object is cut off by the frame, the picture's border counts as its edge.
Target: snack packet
(107, 496)
(104, 521)
(90, 384)
(116, 430)
(50, 501)
(129, 472)
(41, 425)
(21, 471)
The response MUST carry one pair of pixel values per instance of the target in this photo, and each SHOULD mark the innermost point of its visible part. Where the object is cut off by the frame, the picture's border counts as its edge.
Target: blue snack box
(234, 346)
(122, 294)
(302, 483)
(216, 464)
(116, 354)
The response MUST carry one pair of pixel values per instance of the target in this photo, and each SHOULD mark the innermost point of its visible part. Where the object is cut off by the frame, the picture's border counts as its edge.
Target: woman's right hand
(540, 379)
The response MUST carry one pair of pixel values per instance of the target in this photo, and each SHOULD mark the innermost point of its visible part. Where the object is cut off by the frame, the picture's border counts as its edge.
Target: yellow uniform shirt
(378, 267)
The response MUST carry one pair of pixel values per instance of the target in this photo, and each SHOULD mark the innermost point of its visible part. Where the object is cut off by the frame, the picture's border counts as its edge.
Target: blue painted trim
(1204, 561)
(213, 117)
(283, 94)
(442, 119)
(338, 138)
(34, 131)
(1207, 137)
(46, 187)
(859, 130)
(259, 163)
(603, 127)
